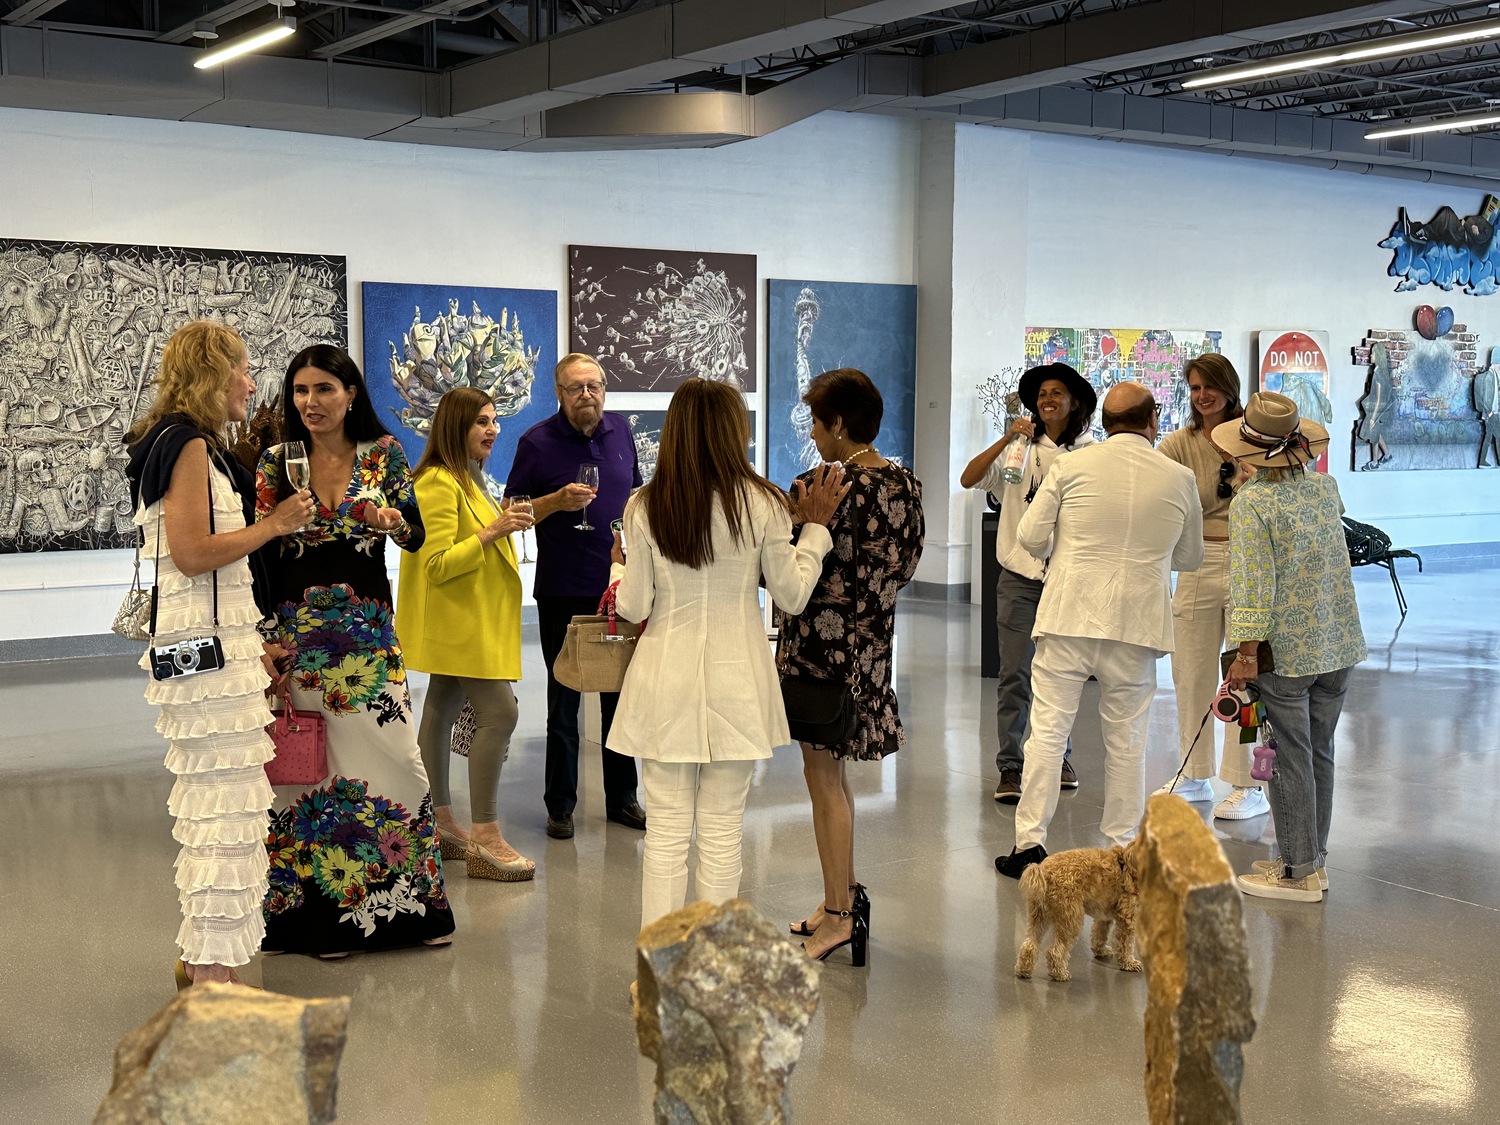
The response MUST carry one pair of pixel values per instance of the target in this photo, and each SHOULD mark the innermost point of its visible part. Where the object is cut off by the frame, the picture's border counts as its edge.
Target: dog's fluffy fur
(1059, 891)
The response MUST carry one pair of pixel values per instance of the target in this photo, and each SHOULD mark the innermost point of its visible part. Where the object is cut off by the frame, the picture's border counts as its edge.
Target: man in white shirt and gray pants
(1121, 517)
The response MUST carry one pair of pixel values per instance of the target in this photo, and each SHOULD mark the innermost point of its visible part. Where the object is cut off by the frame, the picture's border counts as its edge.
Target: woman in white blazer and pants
(701, 702)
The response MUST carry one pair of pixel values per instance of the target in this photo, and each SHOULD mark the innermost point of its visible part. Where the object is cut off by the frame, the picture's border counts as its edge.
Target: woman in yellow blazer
(459, 619)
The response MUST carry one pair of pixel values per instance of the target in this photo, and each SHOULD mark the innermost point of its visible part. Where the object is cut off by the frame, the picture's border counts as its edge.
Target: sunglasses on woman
(1225, 489)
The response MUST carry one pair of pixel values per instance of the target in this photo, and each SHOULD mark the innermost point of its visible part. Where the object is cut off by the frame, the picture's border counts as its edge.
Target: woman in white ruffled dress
(214, 720)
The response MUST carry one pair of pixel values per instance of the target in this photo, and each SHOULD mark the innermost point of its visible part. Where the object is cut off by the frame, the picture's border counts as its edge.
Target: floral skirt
(354, 858)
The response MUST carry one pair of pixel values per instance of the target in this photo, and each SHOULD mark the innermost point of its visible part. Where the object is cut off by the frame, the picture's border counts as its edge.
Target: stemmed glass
(298, 468)
(522, 504)
(588, 475)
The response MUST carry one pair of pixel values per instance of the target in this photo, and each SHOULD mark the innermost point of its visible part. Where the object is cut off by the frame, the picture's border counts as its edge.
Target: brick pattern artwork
(1417, 411)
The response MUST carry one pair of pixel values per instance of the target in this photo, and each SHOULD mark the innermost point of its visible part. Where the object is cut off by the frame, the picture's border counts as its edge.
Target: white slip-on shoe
(1188, 789)
(1264, 865)
(1270, 884)
(1243, 802)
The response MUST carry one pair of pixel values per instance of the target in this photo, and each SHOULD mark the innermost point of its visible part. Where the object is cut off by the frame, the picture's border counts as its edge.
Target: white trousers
(1200, 622)
(680, 796)
(1127, 679)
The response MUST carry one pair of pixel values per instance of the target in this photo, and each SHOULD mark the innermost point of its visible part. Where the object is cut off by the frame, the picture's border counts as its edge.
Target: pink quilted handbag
(301, 739)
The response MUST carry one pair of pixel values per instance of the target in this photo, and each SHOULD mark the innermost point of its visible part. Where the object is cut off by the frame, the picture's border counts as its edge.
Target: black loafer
(631, 816)
(1012, 865)
(560, 827)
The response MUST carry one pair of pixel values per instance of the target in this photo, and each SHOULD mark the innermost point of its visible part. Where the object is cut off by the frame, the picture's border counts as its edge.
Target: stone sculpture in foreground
(1191, 936)
(723, 1001)
(222, 1052)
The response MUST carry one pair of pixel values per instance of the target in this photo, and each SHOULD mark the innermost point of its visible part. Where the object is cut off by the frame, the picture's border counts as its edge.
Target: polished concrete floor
(1379, 1004)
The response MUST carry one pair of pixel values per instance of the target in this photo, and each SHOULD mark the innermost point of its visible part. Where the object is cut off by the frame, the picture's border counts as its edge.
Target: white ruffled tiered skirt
(215, 724)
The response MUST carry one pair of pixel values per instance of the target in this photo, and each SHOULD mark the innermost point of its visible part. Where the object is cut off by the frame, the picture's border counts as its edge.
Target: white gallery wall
(1040, 230)
(832, 198)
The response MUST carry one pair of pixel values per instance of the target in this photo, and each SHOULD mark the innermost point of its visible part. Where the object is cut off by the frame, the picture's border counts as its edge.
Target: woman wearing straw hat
(1289, 585)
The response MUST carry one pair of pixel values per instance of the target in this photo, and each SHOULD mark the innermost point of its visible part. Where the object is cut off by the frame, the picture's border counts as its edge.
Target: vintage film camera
(187, 658)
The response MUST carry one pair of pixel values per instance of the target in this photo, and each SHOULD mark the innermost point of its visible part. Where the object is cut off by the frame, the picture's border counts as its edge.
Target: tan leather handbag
(597, 650)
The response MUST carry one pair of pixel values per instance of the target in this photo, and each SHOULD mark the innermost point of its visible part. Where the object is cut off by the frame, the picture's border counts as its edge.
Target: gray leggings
(494, 719)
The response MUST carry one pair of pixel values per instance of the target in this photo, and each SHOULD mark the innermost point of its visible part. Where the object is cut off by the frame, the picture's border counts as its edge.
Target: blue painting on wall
(816, 326)
(424, 340)
(645, 427)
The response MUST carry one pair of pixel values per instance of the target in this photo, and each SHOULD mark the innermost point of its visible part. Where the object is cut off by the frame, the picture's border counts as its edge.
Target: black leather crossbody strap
(156, 562)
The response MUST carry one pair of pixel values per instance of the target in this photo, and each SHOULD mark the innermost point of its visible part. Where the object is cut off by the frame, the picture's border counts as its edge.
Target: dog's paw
(1064, 975)
(1132, 965)
(1023, 974)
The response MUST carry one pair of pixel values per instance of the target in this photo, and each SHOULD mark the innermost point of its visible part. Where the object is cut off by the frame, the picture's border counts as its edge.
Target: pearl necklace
(859, 452)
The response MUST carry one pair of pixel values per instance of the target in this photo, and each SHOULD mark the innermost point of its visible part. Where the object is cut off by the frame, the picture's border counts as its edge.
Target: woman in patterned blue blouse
(1289, 585)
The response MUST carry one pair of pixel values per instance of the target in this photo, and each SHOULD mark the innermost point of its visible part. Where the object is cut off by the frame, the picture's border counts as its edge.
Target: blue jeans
(1303, 712)
(1016, 600)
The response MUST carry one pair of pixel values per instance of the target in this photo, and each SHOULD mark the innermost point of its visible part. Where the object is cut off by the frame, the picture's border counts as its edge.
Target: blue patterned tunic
(1289, 579)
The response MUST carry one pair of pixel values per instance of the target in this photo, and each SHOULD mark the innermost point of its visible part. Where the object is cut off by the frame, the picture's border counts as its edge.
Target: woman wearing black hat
(1289, 586)
(1061, 404)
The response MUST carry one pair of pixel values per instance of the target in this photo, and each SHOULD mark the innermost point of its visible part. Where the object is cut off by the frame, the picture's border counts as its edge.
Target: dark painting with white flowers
(656, 317)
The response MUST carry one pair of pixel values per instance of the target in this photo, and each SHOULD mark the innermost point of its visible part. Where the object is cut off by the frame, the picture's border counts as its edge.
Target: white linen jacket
(1121, 517)
(702, 685)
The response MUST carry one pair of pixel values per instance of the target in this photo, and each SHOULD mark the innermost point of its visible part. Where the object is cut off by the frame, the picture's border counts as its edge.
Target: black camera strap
(156, 564)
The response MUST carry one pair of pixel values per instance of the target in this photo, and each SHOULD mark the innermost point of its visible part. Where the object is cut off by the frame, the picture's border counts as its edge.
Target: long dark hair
(360, 424)
(701, 456)
(1078, 422)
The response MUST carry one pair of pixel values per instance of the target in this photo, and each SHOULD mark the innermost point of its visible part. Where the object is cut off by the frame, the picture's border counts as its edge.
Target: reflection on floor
(1377, 1005)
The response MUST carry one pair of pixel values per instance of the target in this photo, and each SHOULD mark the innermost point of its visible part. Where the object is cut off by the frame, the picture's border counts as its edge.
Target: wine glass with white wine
(522, 504)
(588, 475)
(298, 469)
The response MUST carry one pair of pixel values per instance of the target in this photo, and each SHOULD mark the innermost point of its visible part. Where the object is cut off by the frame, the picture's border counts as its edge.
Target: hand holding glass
(588, 476)
(523, 504)
(298, 469)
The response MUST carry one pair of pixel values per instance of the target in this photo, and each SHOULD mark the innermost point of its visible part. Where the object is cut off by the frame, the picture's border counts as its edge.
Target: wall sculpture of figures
(81, 329)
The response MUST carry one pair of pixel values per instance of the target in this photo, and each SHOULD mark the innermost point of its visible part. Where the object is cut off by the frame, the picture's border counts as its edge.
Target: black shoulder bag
(826, 712)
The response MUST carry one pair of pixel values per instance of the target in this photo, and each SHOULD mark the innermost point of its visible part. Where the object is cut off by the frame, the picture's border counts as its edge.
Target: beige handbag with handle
(597, 650)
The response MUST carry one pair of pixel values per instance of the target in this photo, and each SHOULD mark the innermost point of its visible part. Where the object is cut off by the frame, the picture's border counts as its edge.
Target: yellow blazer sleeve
(445, 555)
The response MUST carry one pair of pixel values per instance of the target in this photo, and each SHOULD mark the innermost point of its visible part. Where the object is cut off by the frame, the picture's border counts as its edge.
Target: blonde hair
(448, 440)
(572, 358)
(197, 366)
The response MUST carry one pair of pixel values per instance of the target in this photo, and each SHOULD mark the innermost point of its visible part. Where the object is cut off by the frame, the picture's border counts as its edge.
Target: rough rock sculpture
(723, 1000)
(220, 1052)
(1192, 939)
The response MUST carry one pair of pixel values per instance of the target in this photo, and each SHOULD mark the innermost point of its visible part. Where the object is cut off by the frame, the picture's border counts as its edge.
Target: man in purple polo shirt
(572, 567)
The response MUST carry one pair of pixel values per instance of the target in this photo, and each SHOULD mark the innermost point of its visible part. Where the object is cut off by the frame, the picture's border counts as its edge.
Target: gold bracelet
(1242, 658)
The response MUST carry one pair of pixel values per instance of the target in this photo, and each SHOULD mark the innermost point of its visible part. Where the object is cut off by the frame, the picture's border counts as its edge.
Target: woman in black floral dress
(847, 630)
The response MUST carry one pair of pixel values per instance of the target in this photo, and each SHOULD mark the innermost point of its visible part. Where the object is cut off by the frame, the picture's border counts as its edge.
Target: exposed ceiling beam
(31, 10)
(386, 28)
(1140, 36)
(230, 11)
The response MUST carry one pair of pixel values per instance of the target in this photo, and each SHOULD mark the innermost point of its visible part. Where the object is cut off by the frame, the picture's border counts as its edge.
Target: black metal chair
(1369, 546)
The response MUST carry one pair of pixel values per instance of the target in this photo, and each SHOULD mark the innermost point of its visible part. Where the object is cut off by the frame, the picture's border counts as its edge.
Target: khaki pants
(1200, 622)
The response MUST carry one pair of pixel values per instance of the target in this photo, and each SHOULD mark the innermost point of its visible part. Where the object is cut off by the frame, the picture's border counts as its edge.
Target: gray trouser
(1016, 600)
(1303, 712)
(495, 715)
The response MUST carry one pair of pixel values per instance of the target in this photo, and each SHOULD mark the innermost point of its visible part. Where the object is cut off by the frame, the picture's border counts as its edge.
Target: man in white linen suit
(1120, 517)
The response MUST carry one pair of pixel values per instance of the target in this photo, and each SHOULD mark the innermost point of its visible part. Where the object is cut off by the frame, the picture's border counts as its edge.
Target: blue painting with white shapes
(816, 326)
(423, 340)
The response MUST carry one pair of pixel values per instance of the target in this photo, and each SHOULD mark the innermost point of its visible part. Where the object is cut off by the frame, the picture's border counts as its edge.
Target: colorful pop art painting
(1418, 409)
(1294, 362)
(1156, 357)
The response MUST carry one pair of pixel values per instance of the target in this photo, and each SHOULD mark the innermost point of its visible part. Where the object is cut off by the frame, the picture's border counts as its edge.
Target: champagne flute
(587, 475)
(522, 504)
(298, 469)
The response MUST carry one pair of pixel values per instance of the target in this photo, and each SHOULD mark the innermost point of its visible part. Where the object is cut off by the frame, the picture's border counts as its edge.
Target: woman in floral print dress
(847, 630)
(354, 857)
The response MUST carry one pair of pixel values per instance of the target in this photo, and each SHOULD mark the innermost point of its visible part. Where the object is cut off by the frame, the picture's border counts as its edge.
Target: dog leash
(1188, 757)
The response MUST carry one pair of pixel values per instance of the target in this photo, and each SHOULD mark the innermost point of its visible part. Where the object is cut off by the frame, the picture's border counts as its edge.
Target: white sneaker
(1187, 789)
(1264, 865)
(1243, 802)
(1270, 884)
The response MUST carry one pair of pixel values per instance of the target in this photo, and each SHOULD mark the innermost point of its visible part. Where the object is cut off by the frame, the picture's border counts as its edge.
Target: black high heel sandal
(857, 941)
(861, 907)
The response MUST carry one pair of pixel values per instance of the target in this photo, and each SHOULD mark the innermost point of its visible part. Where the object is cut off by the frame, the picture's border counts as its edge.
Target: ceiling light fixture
(1435, 125)
(1414, 44)
(279, 28)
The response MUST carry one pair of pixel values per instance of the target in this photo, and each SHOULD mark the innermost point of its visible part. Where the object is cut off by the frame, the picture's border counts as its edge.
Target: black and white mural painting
(656, 317)
(82, 326)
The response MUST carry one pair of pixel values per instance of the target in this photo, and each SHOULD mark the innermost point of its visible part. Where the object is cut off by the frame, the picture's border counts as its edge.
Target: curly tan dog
(1059, 891)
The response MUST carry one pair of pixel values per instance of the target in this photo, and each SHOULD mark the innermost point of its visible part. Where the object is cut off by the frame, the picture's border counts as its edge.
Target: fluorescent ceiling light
(1435, 125)
(1414, 44)
(279, 28)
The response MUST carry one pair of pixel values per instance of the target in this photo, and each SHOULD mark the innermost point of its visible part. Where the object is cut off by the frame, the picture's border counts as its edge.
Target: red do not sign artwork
(1294, 362)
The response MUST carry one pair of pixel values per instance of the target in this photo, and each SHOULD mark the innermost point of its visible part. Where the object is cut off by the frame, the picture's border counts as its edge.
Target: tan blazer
(458, 612)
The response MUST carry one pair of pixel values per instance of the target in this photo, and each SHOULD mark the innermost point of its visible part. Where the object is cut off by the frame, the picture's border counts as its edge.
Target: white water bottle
(1015, 459)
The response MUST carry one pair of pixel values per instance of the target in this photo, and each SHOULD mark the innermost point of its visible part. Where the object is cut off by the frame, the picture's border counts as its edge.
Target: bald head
(1129, 409)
